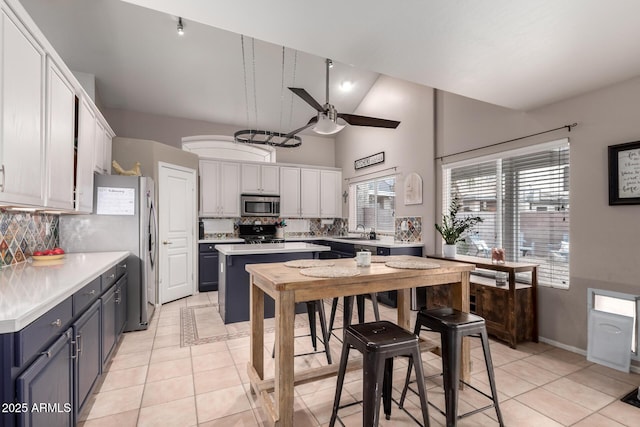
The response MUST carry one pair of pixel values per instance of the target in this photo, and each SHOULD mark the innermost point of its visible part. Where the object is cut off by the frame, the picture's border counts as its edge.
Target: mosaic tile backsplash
(23, 233)
(407, 229)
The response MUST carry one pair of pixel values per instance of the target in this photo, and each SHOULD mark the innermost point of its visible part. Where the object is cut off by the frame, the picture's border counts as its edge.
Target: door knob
(166, 242)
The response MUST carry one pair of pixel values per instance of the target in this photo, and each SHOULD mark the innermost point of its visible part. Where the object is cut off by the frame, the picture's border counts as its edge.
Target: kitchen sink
(353, 238)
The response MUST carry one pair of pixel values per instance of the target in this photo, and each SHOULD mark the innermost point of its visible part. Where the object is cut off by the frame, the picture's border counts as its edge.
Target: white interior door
(176, 221)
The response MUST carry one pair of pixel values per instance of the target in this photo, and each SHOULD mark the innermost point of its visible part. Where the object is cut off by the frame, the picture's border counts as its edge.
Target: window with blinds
(375, 204)
(523, 199)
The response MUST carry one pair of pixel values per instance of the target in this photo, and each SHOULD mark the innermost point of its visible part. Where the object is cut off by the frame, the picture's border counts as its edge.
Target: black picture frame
(371, 160)
(624, 173)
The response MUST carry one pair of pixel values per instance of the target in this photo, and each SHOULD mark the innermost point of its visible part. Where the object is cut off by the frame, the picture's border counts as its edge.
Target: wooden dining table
(287, 286)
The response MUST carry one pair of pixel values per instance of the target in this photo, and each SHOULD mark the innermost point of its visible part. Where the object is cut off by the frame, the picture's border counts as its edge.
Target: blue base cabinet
(49, 368)
(88, 357)
(45, 389)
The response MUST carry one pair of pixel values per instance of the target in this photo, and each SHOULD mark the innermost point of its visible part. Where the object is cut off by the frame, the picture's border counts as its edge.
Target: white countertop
(271, 248)
(28, 290)
(230, 240)
(381, 243)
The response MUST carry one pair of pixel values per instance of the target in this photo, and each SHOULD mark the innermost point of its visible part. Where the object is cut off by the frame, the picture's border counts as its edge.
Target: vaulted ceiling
(516, 54)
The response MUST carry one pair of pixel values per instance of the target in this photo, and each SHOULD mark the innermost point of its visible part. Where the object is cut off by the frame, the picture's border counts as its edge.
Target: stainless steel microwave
(256, 205)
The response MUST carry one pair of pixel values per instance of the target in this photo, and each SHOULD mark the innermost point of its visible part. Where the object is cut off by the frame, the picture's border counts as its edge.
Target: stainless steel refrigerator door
(147, 250)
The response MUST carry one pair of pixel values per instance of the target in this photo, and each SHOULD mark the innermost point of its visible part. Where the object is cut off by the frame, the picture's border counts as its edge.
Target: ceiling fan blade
(308, 98)
(356, 120)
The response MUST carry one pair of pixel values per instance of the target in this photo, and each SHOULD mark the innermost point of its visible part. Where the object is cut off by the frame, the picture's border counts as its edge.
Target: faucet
(363, 229)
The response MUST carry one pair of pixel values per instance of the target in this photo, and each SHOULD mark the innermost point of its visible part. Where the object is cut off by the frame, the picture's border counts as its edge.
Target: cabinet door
(330, 194)
(59, 139)
(251, 179)
(108, 138)
(99, 139)
(208, 271)
(49, 379)
(88, 361)
(310, 193)
(84, 167)
(108, 323)
(270, 179)
(22, 140)
(209, 172)
(229, 189)
(289, 192)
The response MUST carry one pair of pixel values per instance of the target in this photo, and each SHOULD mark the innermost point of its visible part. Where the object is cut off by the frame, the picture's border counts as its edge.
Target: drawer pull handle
(79, 345)
(112, 276)
(56, 323)
(93, 292)
(46, 353)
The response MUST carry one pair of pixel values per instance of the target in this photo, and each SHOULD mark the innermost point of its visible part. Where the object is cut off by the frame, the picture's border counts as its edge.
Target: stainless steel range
(256, 234)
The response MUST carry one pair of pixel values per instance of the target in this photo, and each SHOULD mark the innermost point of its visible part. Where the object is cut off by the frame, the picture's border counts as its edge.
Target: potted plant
(453, 228)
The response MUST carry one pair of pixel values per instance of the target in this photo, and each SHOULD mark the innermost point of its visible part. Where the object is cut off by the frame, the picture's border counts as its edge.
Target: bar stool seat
(453, 325)
(379, 343)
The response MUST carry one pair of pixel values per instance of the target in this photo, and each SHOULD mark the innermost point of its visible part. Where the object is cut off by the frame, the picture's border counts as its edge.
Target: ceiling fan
(326, 121)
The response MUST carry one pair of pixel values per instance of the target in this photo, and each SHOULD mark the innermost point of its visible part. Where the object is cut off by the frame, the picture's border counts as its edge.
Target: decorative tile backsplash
(408, 229)
(22, 233)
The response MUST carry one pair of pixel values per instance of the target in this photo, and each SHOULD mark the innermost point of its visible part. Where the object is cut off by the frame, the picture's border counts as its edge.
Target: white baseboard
(635, 369)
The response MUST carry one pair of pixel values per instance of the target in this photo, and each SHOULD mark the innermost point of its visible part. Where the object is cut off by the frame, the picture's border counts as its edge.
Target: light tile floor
(152, 381)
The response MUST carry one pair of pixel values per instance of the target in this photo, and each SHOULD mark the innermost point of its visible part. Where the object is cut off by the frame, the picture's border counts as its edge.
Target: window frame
(353, 203)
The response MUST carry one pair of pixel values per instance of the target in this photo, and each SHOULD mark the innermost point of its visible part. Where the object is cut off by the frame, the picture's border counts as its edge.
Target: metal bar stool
(453, 325)
(312, 307)
(379, 343)
(348, 310)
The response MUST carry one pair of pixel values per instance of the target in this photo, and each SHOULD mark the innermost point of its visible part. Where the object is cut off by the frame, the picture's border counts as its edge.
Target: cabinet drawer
(208, 247)
(32, 339)
(86, 296)
(109, 278)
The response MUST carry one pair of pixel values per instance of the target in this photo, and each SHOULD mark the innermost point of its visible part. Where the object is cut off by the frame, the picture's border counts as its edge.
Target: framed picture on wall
(624, 174)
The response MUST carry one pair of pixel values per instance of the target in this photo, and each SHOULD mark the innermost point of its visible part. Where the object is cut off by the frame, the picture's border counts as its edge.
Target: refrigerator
(123, 218)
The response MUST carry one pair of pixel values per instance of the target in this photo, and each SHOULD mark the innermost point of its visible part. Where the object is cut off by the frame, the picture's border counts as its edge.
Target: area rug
(201, 324)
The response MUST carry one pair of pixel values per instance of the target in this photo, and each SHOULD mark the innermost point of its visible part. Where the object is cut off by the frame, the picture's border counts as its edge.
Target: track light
(180, 27)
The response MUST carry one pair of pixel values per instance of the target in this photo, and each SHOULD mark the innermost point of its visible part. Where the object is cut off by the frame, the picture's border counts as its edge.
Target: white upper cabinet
(99, 149)
(260, 179)
(330, 187)
(309, 193)
(22, 163)
(289, 192)
(219, 189)
(59, 139)
(85, 163)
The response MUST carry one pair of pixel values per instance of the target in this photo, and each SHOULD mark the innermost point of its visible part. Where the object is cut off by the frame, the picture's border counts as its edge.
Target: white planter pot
(449, 251)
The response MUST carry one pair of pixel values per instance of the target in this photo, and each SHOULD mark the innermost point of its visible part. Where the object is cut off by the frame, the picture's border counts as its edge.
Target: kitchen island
(233, 286)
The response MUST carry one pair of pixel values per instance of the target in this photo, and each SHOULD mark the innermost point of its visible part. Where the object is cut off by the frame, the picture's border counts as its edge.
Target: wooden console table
(510, 311)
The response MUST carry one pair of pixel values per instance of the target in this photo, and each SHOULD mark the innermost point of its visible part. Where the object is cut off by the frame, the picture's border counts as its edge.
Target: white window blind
(375, 204)
(523, 199)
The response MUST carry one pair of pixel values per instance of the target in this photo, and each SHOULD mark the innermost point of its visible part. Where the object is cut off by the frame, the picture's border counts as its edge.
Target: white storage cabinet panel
(219, 189)
(260, 179)
(289, 192)
(22, 65)
(59, 139)
(330, 187)
(99, 138)
(309, 193)
(84, 168)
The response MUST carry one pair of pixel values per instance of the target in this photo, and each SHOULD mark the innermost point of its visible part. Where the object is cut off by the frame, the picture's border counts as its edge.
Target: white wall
(604, 239)
(410, 147)
(170, 130)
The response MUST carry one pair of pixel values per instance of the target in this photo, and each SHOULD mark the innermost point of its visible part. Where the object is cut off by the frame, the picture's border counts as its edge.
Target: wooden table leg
(283, 393)
(256, 314)
(461, 302)
(404, 307)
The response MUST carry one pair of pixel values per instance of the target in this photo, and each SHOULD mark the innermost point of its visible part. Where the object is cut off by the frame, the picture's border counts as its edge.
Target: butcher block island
(289, 286)
(233, 286)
